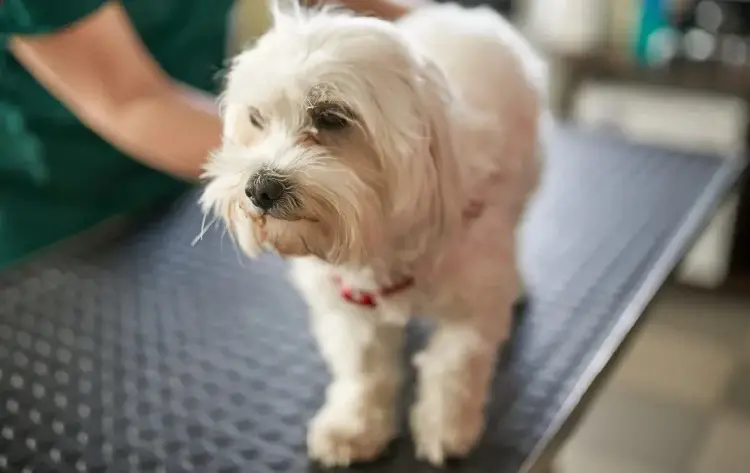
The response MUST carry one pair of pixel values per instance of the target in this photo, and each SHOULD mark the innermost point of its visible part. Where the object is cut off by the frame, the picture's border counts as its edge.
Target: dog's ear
(439, 112)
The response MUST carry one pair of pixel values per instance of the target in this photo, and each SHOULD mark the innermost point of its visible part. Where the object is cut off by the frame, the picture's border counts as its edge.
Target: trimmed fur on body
(439, 112)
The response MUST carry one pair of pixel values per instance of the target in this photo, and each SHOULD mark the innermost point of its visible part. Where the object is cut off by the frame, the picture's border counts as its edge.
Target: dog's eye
(330, 118)
(330, 121)
(255, 118)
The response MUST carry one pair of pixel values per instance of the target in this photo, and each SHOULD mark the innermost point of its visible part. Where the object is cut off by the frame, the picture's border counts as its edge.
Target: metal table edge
(596, 372)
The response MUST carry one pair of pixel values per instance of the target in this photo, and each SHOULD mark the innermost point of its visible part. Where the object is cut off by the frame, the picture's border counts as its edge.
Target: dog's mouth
(293, 218)
(285, 214)
(287, 237)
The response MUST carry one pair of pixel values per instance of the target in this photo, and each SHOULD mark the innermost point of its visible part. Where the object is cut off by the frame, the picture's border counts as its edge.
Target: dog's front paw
(445, 428)
(342, 434)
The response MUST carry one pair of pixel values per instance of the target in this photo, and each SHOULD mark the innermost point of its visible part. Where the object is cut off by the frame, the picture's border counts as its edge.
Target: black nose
(264, 191)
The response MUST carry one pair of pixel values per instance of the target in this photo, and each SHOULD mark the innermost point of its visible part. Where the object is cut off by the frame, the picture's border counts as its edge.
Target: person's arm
(99, 68)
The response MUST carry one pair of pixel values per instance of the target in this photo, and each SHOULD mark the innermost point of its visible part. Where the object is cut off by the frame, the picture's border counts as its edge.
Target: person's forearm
(173, 129)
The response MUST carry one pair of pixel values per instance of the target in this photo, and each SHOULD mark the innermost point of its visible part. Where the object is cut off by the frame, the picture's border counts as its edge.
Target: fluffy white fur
(440, 114)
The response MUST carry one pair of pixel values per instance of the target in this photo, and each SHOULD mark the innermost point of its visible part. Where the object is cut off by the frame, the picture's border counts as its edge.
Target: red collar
(367, 298)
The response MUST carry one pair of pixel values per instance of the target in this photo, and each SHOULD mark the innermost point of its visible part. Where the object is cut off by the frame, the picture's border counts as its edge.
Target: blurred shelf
(707, 77)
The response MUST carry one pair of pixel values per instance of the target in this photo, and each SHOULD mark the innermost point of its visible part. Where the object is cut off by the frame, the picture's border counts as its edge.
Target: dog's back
(483, 56)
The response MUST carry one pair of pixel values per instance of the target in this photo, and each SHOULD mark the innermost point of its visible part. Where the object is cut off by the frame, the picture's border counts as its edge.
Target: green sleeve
(43, 16)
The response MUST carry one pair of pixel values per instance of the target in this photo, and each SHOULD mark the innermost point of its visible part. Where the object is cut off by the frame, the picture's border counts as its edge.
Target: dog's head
(336, 141)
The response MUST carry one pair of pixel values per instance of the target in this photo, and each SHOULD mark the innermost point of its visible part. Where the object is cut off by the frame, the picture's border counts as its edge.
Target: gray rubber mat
(151, 355)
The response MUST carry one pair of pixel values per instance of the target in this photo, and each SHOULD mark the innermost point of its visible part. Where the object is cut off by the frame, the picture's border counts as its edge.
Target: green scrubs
(57, 177)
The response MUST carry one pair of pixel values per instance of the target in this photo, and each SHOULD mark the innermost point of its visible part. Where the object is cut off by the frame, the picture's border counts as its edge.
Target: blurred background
(672, 73)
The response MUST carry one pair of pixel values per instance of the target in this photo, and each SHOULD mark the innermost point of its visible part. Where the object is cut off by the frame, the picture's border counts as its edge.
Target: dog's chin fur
(436, 114)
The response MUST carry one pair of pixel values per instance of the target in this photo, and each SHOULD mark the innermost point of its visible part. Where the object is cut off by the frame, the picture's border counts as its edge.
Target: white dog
(391, 163)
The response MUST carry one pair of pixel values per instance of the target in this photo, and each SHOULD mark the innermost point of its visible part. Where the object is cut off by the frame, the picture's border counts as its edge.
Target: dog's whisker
(204, 229)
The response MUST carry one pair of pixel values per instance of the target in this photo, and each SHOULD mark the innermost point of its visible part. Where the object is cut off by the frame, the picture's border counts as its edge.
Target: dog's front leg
(454, 374)
(358, 419)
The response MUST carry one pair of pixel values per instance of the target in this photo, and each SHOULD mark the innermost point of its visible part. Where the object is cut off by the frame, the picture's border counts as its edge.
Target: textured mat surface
(150, 355)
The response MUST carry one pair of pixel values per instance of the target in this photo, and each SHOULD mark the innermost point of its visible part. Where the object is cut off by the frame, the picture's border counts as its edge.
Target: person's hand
(390, 10)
